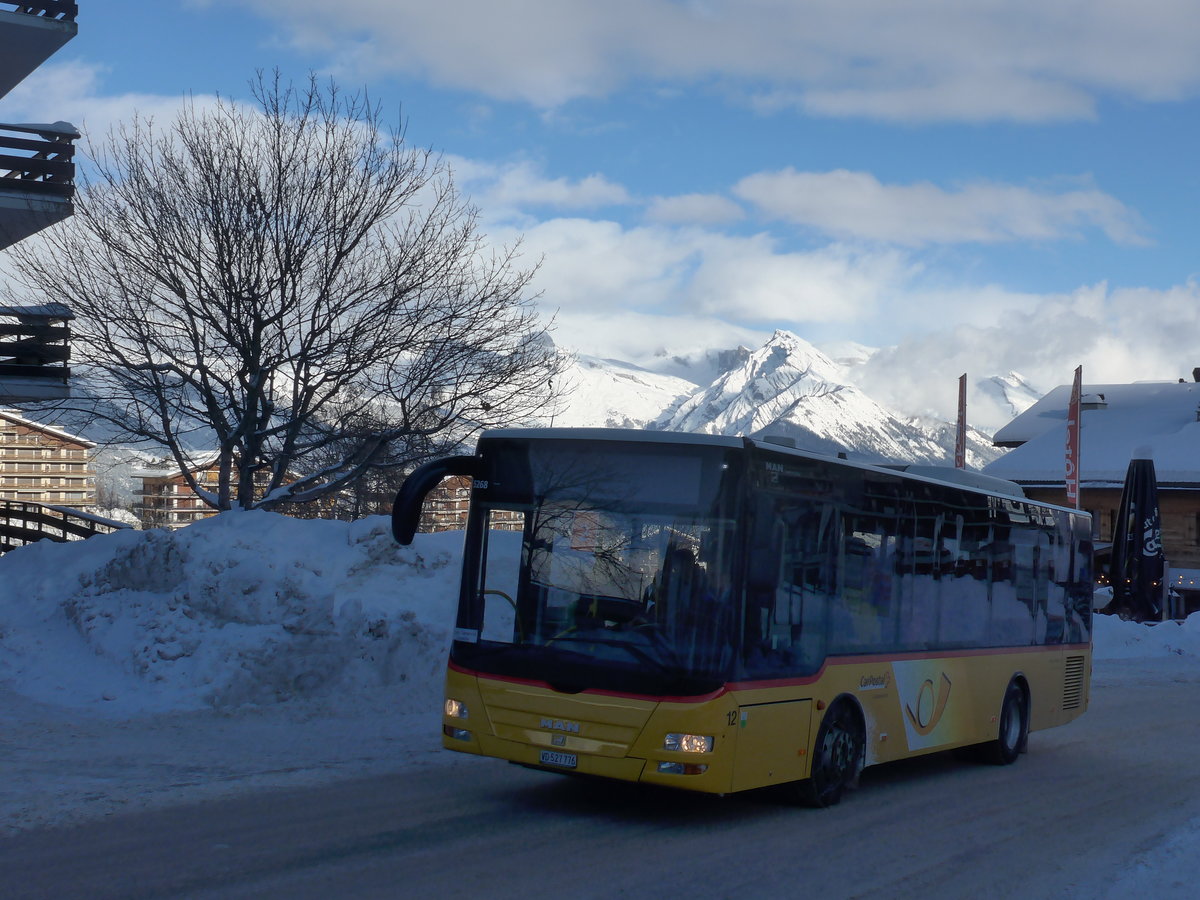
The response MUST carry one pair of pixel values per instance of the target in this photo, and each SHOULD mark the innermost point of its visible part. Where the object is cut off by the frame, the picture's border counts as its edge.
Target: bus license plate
(554, 758)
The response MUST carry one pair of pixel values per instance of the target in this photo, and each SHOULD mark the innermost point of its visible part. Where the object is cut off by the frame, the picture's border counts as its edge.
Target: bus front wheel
(836, 758)
(1014, 727)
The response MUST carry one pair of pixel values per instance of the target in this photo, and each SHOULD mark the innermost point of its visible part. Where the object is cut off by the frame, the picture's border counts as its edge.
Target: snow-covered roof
(615, 434)
(165, 467)
(1118, 422)
(11, 415)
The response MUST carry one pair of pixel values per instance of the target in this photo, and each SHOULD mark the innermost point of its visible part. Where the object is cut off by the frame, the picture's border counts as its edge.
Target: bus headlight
(456, 709)
(688, 743)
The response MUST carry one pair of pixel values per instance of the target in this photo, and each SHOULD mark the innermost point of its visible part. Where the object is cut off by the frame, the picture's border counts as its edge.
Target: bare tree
(294, 286)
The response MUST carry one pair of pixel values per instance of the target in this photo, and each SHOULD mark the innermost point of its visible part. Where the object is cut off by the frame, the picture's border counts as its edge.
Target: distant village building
(445, 509)
(1118, 421)
(43, 464)
(166, 500)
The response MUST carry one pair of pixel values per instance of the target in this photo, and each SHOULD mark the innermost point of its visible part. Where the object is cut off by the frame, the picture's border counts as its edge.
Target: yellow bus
(721, 614)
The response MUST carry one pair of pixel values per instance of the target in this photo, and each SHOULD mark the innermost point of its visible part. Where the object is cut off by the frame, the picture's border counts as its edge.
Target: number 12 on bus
(720, 614)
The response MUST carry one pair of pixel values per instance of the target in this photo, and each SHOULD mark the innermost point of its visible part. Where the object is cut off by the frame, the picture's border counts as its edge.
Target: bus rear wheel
(1014, 727)
(836, 759)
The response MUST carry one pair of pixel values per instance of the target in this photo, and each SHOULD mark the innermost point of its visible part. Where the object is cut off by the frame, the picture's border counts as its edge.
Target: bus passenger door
(772, 743)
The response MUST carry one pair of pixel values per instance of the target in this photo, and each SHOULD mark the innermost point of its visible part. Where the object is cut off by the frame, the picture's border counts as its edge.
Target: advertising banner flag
(1073, 423)
(960, 434)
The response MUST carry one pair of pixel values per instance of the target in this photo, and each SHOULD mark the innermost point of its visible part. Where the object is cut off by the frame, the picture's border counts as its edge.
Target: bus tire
(837, 757)
(1014, 727)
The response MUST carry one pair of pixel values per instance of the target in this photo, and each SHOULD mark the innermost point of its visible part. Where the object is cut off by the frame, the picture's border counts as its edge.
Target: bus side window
(785, 628)
(1079, 591)
(920, 588)
(964, 590)
(863, 615)
(1058, 590)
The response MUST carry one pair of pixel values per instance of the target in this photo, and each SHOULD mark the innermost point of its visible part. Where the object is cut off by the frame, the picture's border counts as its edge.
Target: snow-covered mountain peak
(785, 387)
(612, 394)
(1009, 395)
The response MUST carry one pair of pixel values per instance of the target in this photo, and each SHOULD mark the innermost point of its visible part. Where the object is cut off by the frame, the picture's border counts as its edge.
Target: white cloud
(72, 92)
(1117, 335)
(645, 339)
(750, 279)
(856, 204)
(689, 276)
(592, 265)
(509, 189)
(694, 209)
(920, 60)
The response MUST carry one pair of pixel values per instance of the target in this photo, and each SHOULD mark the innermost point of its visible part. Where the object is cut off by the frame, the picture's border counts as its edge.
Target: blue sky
(984, 186)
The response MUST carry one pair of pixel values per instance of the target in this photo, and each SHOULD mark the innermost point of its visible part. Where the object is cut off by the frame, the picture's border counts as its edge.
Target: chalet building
(43, 464)
(1160, 420)
(37, 187)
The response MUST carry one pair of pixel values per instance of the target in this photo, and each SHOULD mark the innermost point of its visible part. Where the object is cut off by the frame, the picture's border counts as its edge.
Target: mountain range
(786, 388)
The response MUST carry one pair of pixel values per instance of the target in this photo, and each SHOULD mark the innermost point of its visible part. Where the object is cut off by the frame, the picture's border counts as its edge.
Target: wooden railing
(62, 10)
(34, 341)
(44, 163)
(25, 523)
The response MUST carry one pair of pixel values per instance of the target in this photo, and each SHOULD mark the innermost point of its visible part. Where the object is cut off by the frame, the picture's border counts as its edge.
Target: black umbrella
(1137, 554)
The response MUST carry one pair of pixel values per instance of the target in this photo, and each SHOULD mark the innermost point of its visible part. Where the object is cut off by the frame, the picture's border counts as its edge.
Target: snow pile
(1114, 638)
(242, 608)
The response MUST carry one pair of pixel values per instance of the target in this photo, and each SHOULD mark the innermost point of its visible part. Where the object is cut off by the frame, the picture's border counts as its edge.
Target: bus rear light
(677, 768)
(456, 709)
(688, 743)
(458, 734)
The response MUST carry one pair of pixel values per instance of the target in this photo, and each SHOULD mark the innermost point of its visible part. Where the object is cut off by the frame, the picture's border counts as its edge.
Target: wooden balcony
(30, 33)
(34, 349)
(37, 178)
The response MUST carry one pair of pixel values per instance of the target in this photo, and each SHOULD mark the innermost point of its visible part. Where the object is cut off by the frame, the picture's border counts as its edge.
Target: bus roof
(970, 480)
(615, 434)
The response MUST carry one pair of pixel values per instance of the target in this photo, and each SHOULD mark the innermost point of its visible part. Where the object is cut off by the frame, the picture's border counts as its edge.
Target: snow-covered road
(1107, 807)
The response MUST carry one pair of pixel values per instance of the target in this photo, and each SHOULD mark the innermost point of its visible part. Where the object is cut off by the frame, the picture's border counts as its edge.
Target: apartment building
(166, 500)
(43, 464)
(446, 507)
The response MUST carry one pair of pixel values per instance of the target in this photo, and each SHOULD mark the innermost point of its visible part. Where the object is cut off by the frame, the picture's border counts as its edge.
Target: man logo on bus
(929, 708)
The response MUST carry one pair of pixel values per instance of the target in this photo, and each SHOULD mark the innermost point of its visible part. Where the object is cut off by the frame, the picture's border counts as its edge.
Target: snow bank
(1115, 638)
(242, 608)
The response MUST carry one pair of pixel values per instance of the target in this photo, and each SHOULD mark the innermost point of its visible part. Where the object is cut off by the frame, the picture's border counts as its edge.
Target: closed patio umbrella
(1137, 554)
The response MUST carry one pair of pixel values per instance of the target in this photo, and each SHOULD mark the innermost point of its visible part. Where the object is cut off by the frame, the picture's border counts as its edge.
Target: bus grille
(1073, 683)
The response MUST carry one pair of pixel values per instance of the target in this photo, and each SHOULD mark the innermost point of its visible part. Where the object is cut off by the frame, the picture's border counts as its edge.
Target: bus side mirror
(406, 510)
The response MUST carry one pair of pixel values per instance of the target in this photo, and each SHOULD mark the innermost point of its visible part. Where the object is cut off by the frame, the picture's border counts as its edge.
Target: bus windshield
(603, 570)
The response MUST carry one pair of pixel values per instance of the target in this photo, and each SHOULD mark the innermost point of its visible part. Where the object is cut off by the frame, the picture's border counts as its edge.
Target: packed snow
(142, 669)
